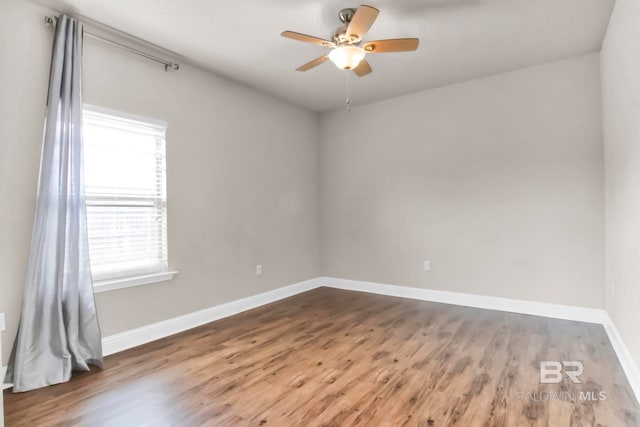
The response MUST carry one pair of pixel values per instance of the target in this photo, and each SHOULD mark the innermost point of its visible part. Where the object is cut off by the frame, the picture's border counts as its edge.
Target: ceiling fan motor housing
(345, 15)
(340, 37)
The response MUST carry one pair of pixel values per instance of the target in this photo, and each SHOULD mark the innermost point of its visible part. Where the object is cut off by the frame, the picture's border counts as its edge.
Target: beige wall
(620, 62)
(241, 166)
(497, 181)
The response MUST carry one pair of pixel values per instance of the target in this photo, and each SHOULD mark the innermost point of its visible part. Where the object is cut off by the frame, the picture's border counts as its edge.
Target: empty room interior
(320, 213)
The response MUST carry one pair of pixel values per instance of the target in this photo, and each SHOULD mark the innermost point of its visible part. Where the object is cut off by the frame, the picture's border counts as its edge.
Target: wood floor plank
(337, 358)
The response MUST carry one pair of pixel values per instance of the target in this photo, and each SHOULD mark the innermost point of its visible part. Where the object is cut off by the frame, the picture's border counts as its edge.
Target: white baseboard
(138, 336)
(627, 361)
(135, 337)
(556, 311)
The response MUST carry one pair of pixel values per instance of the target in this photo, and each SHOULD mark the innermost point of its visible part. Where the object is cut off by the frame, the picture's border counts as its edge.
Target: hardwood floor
(337, 358)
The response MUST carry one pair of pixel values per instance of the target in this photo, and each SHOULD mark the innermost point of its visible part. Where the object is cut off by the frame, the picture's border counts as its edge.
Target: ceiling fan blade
(391, 45)
(362, 20)
(308, 39)
(362, 69)
(314, 63)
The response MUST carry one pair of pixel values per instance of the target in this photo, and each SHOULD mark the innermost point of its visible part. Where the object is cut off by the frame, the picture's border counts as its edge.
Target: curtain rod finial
(49, 20)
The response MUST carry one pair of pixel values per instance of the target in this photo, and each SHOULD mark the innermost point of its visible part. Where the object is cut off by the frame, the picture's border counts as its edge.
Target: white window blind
(124, 162)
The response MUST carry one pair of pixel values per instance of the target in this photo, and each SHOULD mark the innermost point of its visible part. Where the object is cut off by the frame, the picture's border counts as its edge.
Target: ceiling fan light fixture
(347, 47)
(347, 57)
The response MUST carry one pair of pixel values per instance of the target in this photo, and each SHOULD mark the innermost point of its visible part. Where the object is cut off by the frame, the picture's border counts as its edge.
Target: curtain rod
(51, 20)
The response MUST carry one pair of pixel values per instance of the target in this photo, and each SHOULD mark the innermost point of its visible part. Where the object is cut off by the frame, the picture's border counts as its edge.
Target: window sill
(130, 281)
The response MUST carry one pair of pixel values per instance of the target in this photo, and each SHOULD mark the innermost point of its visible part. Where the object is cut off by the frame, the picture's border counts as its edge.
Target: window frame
(124, 279)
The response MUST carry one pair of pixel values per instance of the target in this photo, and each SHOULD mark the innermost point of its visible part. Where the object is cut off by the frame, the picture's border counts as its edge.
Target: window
(124, 164)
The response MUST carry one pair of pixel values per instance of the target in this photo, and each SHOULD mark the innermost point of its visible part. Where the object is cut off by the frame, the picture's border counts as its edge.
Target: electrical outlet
(427, 265)
(259, 270)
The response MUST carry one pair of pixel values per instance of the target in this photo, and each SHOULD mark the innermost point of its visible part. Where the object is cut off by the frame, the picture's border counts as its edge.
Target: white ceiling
(460, 40)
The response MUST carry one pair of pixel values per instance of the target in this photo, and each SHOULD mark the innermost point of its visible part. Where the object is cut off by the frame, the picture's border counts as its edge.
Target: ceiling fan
(348, 50)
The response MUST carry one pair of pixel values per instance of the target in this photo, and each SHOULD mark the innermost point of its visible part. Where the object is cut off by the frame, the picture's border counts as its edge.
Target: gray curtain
(58, 330)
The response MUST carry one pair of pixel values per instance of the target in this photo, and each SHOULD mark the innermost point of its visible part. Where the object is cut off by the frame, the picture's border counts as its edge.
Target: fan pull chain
(348, 101)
